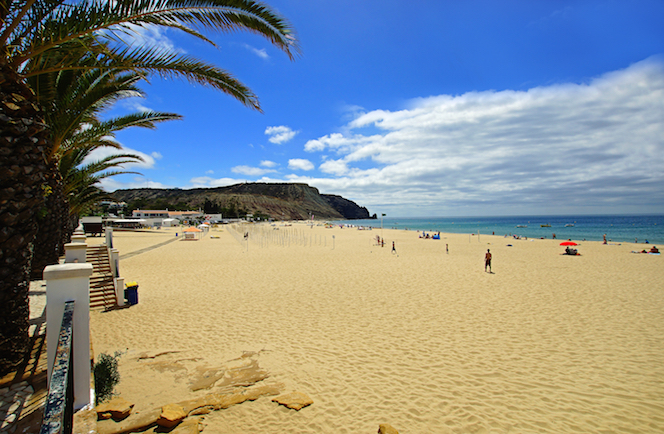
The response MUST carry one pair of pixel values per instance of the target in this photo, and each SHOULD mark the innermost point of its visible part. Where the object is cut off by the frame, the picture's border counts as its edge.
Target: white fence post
(114, 258)
(109, 238)
(64, 283)
(119, 291)
(78, 238)
(75, 253)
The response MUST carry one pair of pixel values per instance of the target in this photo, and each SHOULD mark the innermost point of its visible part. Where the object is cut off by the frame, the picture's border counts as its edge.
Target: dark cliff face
(349, 209)
(279, 201)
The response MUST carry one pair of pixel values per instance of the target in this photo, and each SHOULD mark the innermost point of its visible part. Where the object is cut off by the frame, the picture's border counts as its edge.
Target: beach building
(169, 222)
(158, 218)
(151, 218)
(185, 215)
(144, 214)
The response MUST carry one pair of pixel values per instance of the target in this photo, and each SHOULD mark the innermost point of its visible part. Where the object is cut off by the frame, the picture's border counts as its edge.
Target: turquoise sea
(618, 228)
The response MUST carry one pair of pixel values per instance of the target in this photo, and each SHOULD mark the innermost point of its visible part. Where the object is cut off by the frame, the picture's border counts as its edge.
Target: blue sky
(427, 108)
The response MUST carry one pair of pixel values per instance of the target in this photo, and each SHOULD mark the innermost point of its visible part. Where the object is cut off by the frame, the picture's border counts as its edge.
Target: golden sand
(424, 340)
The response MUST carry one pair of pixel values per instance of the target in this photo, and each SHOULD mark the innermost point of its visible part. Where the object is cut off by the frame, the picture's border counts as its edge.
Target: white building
(149, 214)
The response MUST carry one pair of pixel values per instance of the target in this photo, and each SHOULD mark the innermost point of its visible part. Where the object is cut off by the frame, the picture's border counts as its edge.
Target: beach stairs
(102, 283)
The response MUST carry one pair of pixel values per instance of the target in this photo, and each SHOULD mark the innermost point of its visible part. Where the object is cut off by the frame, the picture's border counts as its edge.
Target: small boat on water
(521, 226)
(545, 226)
(569, 225)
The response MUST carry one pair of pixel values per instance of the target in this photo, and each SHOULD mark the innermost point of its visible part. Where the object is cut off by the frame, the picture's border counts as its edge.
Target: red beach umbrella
(568, 243)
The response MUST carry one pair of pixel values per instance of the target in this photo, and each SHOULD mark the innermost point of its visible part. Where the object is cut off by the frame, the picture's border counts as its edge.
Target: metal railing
(59, 411)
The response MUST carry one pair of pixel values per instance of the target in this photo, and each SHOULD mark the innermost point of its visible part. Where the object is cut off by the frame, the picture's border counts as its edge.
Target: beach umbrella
(192, 229)
(568, 243)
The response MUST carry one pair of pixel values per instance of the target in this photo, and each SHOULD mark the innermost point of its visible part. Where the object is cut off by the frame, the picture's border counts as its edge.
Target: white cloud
(334, 167)
(208, 182)
(250, 171)
(548, 149)
(300, 164)
(268, 163)
(150, 35)
(112, 184)
(135, 104)
(280, 134)
(148, 163)
(209, 172)
(260, 52)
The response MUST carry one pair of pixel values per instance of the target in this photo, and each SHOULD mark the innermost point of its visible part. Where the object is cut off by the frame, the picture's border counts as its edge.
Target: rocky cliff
(278, 201)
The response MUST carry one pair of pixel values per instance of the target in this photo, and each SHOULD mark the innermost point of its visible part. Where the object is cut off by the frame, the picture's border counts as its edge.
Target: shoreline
(581, 231)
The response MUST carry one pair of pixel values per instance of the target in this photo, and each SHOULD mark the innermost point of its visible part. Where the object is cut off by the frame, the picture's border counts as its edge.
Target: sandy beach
(424, 340)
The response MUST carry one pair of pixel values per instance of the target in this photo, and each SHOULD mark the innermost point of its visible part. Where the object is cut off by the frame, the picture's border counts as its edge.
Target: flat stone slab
(171, 415)
(141, 421)
(294, 400)
(118, 408)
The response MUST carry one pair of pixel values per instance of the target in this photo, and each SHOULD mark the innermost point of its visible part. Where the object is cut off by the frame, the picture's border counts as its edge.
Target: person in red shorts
(487, 260)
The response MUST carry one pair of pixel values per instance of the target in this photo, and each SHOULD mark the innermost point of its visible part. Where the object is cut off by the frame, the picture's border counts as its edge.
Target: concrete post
(119, 290)
(75, 253)
(64, 283)
(114, 258)
(109, 238)
(78, 239)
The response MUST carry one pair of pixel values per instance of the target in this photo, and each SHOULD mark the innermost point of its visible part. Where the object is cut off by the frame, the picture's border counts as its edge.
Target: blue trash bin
(131, 295)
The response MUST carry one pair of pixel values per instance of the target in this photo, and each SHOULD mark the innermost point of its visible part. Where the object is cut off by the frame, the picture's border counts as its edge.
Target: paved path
(147, 249)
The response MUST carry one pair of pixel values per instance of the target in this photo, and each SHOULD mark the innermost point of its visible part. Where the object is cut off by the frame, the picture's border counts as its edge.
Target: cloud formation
(149, 160)
(567, 148)
(598, 144)
(208, 182)
(112, 184)
(150, 35)
(260, 52)
(300, 164)
(280, 134)
(250, 171)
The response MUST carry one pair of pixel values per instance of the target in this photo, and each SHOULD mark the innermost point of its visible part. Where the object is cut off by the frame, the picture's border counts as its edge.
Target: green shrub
(106, 376)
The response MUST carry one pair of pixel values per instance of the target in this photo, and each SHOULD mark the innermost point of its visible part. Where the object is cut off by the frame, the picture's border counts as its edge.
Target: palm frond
(166, 63)
(68, 24)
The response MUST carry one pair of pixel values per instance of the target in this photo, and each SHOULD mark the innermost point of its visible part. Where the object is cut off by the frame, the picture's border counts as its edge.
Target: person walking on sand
(394, 249)
(487, 260)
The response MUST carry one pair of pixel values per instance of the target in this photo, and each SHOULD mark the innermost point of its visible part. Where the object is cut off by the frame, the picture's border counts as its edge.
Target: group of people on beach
(427, 236)
(381, 242)
(571, 252)
(653, 250)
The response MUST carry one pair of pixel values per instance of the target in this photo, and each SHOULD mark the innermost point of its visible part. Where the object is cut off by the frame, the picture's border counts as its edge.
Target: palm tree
(43, 36)
(81, 179)
(72, 102)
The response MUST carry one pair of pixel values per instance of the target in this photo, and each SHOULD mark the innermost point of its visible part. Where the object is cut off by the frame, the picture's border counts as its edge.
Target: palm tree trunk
(22, 169)
(53, 222)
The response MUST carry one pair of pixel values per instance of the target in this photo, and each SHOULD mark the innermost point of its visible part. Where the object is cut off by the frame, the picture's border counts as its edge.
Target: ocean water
(591, 228)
